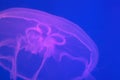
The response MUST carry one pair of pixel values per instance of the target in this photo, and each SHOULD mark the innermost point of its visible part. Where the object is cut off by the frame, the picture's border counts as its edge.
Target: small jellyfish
(35, 45)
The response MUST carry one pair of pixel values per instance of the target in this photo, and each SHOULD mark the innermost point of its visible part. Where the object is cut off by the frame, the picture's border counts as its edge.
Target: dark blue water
(99, 18)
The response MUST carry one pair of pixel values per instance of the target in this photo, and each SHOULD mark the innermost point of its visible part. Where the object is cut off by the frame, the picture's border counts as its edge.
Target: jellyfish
(36, 45)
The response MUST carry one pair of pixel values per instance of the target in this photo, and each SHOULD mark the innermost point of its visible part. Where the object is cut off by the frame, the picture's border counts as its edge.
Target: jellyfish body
(35, 45)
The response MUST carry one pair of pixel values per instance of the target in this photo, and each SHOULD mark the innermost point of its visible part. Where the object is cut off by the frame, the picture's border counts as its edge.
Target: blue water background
(99, 18)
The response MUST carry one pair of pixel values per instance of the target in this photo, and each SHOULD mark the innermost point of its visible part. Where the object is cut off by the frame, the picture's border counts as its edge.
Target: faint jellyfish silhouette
(35, 45)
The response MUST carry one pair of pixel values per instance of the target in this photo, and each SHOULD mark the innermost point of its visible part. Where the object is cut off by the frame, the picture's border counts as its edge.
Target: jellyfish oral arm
(49, 44)
(14, 61)
(45, 57)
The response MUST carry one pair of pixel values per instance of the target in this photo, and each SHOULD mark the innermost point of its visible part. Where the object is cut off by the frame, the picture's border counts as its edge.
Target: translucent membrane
(35, 45)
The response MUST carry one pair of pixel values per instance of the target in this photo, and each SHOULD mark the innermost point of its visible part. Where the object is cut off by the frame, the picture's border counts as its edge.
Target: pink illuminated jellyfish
(35, 45)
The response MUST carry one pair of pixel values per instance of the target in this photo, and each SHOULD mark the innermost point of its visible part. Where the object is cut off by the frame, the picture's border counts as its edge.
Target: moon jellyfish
(35, 45)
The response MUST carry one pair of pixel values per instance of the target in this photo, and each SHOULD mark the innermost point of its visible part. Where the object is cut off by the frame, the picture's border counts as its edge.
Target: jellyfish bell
(45, 36)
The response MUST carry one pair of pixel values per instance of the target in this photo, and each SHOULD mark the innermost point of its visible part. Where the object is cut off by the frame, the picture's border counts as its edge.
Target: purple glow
(35, 45)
